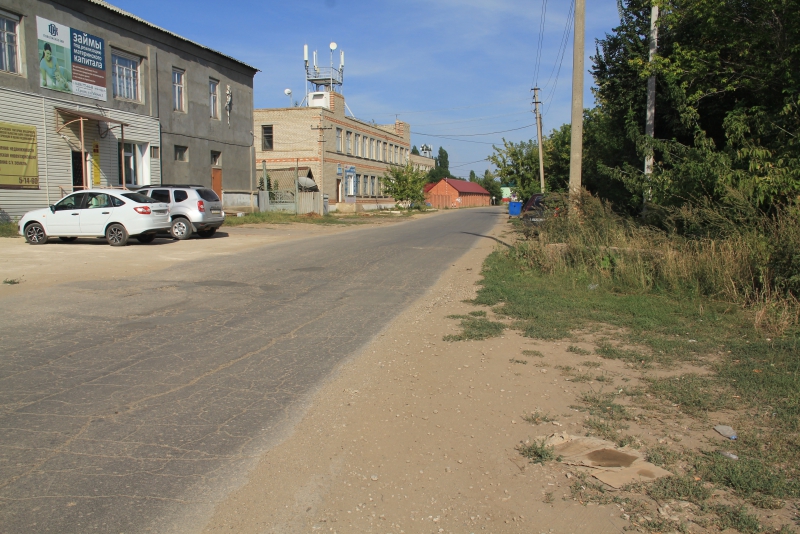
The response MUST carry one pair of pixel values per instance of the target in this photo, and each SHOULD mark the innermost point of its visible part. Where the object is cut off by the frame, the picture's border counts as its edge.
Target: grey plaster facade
(159, 52)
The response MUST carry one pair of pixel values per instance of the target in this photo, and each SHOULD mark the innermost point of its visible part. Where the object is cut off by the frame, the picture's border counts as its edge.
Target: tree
(414, 150)
(472, 176)
(518, 167)
(442, 169)
(489, 183)
(405, 184)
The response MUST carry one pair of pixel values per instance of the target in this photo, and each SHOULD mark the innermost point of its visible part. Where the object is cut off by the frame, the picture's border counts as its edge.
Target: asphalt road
(133, 405)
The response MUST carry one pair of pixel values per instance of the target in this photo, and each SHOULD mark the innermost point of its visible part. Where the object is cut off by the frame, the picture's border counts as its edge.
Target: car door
(65, 218)
(96, 214)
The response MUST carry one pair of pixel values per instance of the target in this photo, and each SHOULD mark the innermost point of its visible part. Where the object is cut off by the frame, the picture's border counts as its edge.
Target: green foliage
(442, 168)
(405, 184)
(475, 328)
(9, 229)
(678, 488)
(415, 150)
(538, 452)
(518, 167)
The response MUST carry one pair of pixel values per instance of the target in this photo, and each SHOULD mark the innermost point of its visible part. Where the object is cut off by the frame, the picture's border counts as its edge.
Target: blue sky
(448, 67)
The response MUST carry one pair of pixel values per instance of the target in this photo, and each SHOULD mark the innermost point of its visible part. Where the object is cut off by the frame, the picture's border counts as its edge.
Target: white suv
(111, 213)
(193, 208)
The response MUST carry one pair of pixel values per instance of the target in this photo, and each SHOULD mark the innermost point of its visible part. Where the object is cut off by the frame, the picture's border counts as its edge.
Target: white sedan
(111, 213)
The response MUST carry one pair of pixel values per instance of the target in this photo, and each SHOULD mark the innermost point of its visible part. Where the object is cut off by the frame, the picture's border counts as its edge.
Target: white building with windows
(93, 96)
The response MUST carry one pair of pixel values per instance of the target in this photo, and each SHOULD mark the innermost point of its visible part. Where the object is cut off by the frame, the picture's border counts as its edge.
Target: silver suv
(192, 208)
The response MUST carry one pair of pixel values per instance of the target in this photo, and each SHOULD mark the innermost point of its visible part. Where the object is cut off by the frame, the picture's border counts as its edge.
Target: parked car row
(119, 215)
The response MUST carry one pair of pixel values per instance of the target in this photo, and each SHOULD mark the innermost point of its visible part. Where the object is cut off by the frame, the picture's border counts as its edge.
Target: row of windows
(362, 185)
(369, 148)
(125, 77)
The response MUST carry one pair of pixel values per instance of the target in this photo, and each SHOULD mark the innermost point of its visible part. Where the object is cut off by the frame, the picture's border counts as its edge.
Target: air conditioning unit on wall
(319, 100)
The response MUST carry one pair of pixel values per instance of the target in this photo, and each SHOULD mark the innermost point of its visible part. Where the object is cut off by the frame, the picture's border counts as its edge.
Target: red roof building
(454, 193)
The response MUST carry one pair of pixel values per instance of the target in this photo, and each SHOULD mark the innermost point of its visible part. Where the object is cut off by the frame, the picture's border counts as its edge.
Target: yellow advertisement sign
(19, 164)
(95, 163)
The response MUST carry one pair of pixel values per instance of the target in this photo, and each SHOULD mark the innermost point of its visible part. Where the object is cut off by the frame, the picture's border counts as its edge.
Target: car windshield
(208, 194)
(139, 198)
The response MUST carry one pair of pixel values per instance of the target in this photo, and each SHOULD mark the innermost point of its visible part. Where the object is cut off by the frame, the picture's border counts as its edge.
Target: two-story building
(345, 156)
(94, 96)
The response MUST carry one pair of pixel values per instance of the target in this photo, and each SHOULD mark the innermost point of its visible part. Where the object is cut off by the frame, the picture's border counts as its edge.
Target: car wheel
(116, 235)
(35, 234)
(181, 229)
(68, 239)
(145, 238)
(207, 233)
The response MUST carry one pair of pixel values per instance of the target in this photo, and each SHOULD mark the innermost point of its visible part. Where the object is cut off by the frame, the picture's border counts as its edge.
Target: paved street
(134, 405)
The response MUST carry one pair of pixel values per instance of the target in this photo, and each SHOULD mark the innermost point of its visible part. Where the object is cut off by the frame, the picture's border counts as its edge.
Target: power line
(452, 109)
(454, 139)
(570, 19)
(478, 134)
(465, 164)
(472, 120)
(563, 45)
(539, 43)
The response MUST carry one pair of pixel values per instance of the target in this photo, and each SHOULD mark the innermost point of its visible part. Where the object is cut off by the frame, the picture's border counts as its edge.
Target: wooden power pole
(538, 113)
(576, 142)
(650, 125)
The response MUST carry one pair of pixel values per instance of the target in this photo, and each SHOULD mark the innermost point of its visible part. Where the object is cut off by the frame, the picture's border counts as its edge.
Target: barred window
(213, 97)
(125, 76)
(8, 43)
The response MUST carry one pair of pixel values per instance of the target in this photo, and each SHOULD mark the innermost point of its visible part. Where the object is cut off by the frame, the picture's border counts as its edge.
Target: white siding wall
(55, 151)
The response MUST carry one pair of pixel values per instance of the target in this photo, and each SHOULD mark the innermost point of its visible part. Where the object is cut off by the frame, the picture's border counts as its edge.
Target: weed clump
(538, 452)
(475, 328)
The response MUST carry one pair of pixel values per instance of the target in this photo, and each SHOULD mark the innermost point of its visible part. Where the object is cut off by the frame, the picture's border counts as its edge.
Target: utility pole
(322, 159)
(576, 142)
(650, 125)
(538, 114)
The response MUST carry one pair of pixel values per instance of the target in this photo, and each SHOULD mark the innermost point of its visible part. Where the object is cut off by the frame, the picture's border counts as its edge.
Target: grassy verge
(750, 377)
(279, 217)
(9, 230)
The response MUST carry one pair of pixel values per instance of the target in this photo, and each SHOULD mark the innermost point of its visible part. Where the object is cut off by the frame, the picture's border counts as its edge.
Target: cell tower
(324, 79)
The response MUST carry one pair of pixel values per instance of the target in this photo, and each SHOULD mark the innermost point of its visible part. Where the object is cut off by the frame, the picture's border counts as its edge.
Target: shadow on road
(488, 237)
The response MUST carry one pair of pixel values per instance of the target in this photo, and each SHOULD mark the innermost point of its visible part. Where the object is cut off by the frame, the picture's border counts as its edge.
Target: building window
(213, 97)
(178, 78)
(358, 145)
(396, 154)
(155, 152)
(8, 43)
(358, 184)
(133, 165)
(216, 158)
(365, 148)
(125, 76)
(385, 153)
(181, 153)
(372, 149)
(338, 139)
(266, 138)
(391, 153)
(349, 142)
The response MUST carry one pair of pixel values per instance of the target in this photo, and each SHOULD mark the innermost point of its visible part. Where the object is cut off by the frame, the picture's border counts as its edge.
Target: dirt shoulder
(416, 434)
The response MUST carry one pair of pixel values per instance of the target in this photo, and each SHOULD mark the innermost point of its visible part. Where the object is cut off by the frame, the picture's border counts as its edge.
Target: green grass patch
(663, 456)
(9, 229)
(280, 217)
(603, 405)
(577, 350)
(591, 365)
(537, 418)
(682, 488)
(12, 281)
(736, 517)
(475, 328)
(693, 394)
(478, 313)
(534, 353)
(537, 452)
(514, 360)
(748, 477)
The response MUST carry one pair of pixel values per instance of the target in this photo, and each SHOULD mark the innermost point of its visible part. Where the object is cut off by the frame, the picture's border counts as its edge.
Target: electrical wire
(540, 41)
(478, 134)
(465, 164)
(453, 109)
(563, 44)
(454, 139)
(472, 120)
(570, 18)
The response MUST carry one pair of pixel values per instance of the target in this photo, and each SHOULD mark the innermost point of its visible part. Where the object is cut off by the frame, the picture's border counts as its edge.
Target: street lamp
(288, 92)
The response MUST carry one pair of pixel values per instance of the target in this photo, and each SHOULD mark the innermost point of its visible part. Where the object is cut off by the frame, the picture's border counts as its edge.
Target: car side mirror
(53, 208)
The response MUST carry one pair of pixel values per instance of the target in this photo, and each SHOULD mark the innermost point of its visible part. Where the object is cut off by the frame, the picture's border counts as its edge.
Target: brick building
(347, 157)
(454, 193)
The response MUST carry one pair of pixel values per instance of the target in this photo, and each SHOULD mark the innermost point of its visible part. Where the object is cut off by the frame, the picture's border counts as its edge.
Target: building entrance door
(216, 181)
(77, 171)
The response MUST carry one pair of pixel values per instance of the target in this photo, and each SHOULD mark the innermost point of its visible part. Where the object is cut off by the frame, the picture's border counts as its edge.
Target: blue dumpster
(514, 209)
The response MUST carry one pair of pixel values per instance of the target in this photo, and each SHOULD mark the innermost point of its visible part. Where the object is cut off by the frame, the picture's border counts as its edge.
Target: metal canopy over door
(216, 181)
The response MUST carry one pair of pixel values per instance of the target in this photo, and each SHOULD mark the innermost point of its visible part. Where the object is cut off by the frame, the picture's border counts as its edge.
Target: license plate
(215, 212)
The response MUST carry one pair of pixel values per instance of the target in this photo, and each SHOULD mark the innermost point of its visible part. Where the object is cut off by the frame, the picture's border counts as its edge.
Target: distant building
(454, 193)
(93, 96)
(422, 163)
(347, 157)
